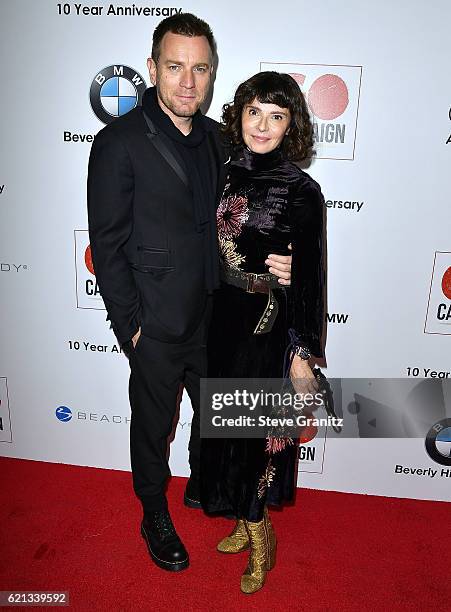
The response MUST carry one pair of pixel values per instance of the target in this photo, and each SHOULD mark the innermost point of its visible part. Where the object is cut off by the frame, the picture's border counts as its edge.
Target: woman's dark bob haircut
(272, 88)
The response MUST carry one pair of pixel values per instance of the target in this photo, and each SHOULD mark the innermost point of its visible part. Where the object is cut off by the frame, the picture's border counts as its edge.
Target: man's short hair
(185, 24)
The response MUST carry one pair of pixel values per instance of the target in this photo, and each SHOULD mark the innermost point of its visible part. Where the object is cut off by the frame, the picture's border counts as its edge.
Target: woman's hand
(302, 377)
(136, 337)
(280, 265)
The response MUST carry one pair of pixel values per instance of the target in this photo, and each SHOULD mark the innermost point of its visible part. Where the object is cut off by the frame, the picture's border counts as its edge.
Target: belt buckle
(252, 277)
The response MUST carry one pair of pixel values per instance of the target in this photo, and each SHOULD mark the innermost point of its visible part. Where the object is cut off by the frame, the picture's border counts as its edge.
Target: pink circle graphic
(309, 431)
(299, 78)
(88, 259)
(446, 283)
(307, 434)
(328, 97)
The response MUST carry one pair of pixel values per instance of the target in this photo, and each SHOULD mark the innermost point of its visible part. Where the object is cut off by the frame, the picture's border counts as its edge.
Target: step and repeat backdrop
(376, 77)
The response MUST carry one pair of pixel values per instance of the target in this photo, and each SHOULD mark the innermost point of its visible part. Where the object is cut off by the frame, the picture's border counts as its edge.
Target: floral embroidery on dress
(266, 480)
(275, 445)
(231, 214)
(229, 253)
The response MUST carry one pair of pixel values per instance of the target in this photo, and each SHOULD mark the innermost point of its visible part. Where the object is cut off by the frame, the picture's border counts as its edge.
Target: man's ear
(152, 67)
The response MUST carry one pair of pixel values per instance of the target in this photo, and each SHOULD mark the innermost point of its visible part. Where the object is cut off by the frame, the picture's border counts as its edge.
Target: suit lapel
(218, 156)
(159, 144)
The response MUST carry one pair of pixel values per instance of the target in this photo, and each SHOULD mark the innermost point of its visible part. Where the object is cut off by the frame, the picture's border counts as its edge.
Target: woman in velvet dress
(268, 202)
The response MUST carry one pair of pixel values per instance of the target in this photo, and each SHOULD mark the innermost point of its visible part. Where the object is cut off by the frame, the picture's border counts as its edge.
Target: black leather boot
(165, 547)
(191, 498)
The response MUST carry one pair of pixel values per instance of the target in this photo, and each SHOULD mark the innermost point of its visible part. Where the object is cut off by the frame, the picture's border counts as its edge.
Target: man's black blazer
(147, 255)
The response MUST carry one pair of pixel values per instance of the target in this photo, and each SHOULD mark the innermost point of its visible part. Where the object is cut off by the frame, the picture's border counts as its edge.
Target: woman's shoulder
(304, 184)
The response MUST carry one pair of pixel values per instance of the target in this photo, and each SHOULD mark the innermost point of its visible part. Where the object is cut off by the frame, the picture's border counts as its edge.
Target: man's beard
(177, 112)
(181, 113)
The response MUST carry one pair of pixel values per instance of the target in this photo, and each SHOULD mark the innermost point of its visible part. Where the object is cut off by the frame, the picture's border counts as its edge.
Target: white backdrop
(377, 78)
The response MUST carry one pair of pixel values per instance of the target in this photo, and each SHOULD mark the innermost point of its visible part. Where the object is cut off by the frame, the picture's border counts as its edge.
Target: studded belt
(256, 283)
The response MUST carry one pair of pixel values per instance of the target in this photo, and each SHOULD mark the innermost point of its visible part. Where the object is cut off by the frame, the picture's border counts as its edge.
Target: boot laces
(163, 524)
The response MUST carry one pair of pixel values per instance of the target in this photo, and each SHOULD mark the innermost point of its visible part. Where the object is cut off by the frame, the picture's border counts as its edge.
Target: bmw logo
(438, 442)
(63, 413)
(115, 90)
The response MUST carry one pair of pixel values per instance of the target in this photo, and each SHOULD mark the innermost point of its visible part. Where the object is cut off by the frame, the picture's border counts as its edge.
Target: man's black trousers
(157, 371)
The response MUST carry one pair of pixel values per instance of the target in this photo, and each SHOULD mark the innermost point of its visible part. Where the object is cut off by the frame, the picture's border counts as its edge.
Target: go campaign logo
(332, 94)
(87, 290)
(311, 448)
(438, 317)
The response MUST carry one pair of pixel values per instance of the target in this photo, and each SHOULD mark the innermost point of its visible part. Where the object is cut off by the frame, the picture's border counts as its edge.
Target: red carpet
(77, 529)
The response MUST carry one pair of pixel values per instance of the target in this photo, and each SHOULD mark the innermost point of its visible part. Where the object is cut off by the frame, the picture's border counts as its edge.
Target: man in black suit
(154, 177)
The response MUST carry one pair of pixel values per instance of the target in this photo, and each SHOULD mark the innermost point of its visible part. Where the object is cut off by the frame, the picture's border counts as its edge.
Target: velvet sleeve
(308, 272)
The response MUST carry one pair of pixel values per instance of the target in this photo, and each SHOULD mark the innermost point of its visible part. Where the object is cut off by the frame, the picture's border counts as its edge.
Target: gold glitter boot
(237, 541)
(263, 554)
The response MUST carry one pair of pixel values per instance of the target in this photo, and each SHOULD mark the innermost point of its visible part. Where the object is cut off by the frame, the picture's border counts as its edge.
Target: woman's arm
(308, 280)
(308, 273)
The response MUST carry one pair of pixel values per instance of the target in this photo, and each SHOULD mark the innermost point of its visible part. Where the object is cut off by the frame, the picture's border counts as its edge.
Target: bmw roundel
(438, 442)
(115, 91)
